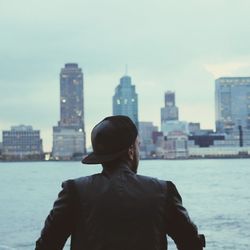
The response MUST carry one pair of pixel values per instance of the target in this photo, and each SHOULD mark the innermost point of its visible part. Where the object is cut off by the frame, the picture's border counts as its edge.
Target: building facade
(169, 112)
(176, 146)
(174, 126)
(125, 100)
(194, 127)
(232, 104)
(147, 146)
(69, 135)
(68, 143)
(22, 143)
(1, 150)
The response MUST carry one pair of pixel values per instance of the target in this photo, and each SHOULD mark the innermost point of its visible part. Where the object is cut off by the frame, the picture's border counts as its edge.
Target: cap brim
(93, 158)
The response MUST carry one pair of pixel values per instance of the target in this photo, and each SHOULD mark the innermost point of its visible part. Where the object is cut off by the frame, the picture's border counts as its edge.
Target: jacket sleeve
(59, 223)
(179, 226)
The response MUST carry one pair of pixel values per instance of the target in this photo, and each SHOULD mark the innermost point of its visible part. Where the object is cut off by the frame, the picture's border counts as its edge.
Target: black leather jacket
(118, 210)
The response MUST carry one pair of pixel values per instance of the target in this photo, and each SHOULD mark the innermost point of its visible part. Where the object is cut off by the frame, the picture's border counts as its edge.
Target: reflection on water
(215, 192)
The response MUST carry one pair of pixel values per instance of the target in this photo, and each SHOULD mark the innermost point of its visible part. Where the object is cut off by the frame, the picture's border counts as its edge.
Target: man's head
(114, 138)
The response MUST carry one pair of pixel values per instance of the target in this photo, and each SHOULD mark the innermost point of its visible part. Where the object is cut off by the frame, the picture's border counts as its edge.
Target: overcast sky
(175, 45)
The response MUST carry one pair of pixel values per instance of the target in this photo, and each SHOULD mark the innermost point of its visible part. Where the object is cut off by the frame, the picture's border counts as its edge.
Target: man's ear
(131, 152)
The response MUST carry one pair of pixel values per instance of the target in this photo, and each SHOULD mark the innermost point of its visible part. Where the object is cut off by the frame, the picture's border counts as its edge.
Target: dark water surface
(215, 192)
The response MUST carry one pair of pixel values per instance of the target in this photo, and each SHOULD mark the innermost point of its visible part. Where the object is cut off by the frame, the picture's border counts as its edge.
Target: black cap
(111, 138)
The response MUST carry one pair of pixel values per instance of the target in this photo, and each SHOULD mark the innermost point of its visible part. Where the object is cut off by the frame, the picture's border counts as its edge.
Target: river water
(215, 192)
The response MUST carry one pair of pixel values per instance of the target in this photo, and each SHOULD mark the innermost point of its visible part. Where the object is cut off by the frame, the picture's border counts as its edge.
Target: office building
(169, 112)
(68, 143)
(194, 127)
(156, 135)
(146, 130)
(232, 104)
(22, 143)
(147, 146)
(1, 149)
(205, 140)
(174, 126)
(69, 134)
(176, 146)
(125, 100)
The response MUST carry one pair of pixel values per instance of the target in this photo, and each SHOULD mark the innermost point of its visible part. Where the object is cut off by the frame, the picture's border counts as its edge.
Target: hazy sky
(168, 45)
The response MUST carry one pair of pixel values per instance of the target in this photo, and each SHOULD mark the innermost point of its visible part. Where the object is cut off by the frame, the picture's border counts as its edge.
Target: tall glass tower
(69, 134)
(125, 100)
(232, 103)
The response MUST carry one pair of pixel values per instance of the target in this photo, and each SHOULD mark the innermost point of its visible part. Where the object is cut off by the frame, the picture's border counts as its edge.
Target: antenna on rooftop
(126, 69)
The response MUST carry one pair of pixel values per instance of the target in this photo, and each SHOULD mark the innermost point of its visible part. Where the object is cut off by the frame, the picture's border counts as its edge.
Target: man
(118, 209)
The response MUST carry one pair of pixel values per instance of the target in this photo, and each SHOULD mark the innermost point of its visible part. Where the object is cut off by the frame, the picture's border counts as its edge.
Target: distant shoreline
(145, 159)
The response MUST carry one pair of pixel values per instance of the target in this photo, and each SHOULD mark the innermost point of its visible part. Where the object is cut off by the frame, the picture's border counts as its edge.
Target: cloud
(228, 68)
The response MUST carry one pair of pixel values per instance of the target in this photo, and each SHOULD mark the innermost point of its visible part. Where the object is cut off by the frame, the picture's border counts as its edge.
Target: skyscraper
(71, 96)
(232, 103)
(69, 134)
(125, 100)
(170, 116)
(169, 99)
(170, 112)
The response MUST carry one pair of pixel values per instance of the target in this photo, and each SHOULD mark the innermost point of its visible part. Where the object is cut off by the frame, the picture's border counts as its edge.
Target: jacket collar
(120, 167)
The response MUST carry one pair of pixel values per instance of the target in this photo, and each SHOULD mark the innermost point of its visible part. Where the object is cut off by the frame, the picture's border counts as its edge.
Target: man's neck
(112, 167)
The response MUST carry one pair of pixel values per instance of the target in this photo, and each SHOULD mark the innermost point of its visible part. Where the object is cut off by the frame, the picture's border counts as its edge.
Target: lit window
(132, 99)
(63, 100)
(118, 101)
(78, 112)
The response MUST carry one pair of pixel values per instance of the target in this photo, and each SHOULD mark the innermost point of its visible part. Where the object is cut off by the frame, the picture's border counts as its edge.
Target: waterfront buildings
(176, 146)
(147, 145)
(194, 127)
(232, 104)
(170, 115)
(22, 143)
(125, 100)
(174, 140)
(69, 134)
(174, 126)
(205, 140)
(1, 149)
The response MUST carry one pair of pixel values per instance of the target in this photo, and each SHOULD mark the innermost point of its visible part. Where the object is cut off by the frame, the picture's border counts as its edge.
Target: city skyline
(48, 149)
(176, 45)
(72, 104)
